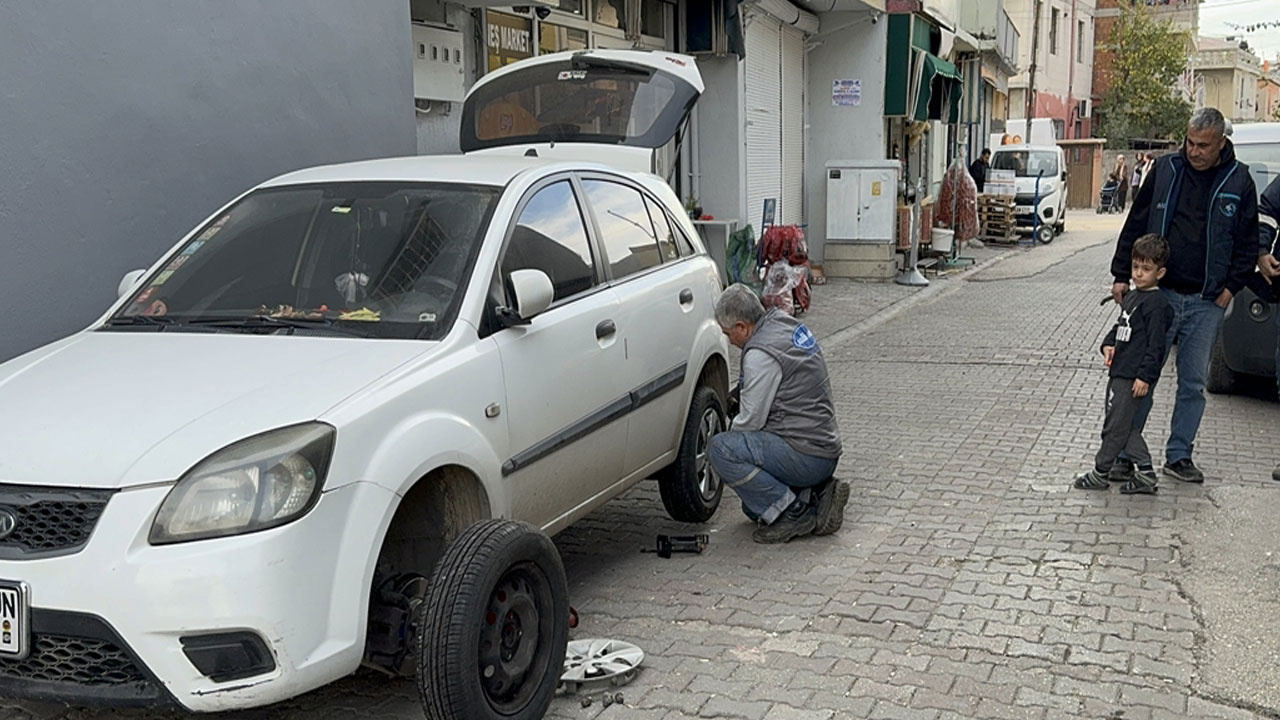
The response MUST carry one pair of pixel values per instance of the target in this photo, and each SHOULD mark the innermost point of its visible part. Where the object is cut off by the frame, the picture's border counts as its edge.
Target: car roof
(1253, 133)
(1024, 146)
(495, 170)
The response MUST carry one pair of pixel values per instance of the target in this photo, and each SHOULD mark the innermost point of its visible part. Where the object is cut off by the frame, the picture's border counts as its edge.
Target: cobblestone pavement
(968, 581)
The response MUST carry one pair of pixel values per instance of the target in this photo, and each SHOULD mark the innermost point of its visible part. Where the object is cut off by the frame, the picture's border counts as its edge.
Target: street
(969, 580)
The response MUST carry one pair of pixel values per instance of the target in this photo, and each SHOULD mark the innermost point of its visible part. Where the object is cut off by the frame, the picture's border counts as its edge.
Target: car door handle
(605, 328)
(686, 296)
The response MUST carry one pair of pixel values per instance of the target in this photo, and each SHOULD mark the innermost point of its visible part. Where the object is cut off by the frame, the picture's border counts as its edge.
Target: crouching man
(783, 446)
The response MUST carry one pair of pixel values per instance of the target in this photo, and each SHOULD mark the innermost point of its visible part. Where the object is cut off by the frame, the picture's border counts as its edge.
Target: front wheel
(495, 625)
(1044, 234)
(689, 488)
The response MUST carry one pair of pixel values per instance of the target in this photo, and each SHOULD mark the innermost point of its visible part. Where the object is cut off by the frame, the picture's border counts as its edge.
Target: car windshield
(1026, 163)
(372, 259)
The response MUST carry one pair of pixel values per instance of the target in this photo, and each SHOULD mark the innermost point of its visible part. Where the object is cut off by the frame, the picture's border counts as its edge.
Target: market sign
(509, 38)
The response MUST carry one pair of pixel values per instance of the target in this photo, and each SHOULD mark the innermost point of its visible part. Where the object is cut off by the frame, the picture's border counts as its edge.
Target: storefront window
(554, 38)
(572, 6)
(510, 38)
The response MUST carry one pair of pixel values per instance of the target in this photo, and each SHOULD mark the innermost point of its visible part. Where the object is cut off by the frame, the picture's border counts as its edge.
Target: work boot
(1121, 471)
(1183, 470)
(798, 519)
(833, 495)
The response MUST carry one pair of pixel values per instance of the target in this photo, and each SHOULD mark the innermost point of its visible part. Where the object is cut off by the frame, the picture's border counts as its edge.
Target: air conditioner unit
(1084, 108)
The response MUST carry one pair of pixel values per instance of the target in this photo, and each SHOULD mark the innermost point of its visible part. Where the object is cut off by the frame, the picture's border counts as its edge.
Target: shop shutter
(791, 207)
(763, 116)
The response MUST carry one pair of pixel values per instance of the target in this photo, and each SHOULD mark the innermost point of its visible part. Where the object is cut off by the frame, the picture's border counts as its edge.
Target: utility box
(861, 197)
(437, 64)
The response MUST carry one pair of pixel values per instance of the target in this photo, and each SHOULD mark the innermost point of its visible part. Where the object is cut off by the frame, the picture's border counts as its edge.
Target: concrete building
(1225, 75)
(1183, 15)
(1063, 60)
(1269, 93)
(987, 69)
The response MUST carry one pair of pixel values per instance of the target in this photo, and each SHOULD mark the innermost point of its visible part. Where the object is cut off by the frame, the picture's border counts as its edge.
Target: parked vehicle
(1040, 177)
(302, 439)
(1246, 345)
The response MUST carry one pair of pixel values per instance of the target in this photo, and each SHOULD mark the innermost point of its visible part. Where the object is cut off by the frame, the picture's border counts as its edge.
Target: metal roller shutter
(763, 116)
(791, 210)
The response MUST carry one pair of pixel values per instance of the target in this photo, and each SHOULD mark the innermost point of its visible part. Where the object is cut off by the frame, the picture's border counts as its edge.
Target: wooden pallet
(995, 214)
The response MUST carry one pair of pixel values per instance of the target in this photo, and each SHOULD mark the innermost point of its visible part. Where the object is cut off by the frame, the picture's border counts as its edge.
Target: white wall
(438, 123)
(841, 133)
(722, 157)
(1053, 71)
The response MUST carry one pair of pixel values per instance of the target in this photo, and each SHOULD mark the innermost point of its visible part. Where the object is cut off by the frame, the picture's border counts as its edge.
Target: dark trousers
(1122, 192)
(1118, 431)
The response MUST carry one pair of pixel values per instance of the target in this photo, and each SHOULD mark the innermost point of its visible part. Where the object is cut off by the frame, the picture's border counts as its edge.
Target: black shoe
(1183, 470)
(1143, 483)
(832, 497)
(1092, 480)
(1275, 474)
(797, 520)
(1121, 471)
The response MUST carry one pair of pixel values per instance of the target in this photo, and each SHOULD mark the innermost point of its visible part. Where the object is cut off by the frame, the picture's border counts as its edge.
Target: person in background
(980, 167)
(1120, 173)
(1135, 177)
(1203, 202)
(1269, 261)
(783, 445)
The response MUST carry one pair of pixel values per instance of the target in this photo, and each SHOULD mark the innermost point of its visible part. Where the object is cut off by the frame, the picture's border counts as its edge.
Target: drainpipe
(1071, 75)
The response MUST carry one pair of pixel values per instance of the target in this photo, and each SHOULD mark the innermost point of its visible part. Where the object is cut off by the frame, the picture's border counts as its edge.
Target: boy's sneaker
(797, 520)
(1143, 483)
(832, 497)
(1275, 474)
(1183, 470)
(1092, 480)
(1121, 471)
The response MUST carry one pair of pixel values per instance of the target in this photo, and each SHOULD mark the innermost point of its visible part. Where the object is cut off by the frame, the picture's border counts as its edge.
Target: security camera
(875, 17)
(543, 12)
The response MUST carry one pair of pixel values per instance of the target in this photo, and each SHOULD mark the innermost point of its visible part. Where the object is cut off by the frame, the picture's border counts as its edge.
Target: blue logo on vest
(804, 340)
(1229, 209)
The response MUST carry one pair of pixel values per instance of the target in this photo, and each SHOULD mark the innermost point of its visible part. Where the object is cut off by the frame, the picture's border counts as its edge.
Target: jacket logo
(804, 339)
(1229, 209)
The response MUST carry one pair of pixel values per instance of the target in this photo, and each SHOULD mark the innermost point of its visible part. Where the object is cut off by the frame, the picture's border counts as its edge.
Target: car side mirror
(1064, 175)
(130, 279)
(532, 292)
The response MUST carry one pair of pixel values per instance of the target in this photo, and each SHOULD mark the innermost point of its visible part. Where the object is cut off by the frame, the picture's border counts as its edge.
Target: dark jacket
(979, 172)
(1269, 226)
(1139, 336)
(1231, 225)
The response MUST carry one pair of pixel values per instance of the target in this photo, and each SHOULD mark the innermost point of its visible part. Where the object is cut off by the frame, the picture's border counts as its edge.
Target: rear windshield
(1026, 163)
(583, 99)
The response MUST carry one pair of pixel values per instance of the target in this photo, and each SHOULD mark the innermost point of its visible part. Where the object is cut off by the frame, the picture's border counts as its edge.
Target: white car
(246, 479)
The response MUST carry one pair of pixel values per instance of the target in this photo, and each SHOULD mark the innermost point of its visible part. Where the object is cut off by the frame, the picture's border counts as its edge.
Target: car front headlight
(261, 482)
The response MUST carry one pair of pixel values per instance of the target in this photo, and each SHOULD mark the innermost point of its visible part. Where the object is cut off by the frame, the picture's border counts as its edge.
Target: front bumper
(1249, 334)
(302, 587)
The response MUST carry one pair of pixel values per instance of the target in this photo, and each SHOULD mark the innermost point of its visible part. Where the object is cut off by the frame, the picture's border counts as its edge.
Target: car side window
(630, 243)
(666, 234)
(551, 236)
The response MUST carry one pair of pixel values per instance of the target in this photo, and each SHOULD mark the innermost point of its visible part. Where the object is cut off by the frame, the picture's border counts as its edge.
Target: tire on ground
(1043, 234)
(690, 491)
(1221, 378)
(494, 628)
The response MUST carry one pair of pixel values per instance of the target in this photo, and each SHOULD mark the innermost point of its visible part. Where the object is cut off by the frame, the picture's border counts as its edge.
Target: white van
(1040, 179)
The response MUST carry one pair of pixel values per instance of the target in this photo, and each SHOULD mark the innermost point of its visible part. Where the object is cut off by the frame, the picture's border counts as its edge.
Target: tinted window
(630, 244)
(1026, 163)
(666, 236)
(550, 236)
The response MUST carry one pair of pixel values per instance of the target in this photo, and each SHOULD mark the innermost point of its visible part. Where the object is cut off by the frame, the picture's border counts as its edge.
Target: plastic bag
(957, 206)
(740, 257)
(785, 244)
(780, 283)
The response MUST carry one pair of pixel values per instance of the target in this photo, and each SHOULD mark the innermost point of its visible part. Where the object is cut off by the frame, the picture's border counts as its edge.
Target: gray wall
(439, 122)
(126, 122)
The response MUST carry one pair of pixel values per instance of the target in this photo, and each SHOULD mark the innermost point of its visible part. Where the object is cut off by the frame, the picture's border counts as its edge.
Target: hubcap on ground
(513, 657)
(708, 427)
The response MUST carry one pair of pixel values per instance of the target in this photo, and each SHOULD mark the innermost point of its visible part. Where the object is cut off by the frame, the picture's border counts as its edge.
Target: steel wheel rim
(708, 481)
(512, 656)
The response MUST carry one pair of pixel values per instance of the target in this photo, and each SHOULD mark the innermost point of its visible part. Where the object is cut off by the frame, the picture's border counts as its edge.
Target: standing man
(784, 443)
(1204, 204)
(1269, 260)
(1120, 174)
(979, 168)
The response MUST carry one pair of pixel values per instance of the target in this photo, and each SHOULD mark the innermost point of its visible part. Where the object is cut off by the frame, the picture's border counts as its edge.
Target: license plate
(1023, 210)
(15, 614)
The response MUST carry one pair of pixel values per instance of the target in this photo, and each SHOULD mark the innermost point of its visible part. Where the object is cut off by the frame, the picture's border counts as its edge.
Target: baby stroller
(1107, 202)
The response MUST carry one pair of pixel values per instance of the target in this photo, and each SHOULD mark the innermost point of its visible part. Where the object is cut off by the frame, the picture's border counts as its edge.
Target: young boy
(1135, 352)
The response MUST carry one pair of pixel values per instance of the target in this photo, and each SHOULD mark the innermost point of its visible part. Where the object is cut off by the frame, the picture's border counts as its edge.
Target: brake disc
(596, 662)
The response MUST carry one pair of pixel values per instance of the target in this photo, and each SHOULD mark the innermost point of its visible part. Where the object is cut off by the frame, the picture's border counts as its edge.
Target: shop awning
(937, 90)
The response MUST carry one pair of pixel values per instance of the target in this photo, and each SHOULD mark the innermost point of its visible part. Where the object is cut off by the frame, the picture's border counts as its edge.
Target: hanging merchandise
(957, 206)
(785, 255)
(740, 258)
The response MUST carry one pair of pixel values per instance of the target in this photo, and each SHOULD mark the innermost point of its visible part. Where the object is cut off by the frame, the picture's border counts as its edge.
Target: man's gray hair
(738, 303)
(1207, 118)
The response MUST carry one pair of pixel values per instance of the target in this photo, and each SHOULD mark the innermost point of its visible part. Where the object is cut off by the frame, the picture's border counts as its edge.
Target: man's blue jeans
(762, 468)
(1194, 329)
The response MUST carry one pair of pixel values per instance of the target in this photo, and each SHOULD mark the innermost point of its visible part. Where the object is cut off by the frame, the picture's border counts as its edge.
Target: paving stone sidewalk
(969, 581)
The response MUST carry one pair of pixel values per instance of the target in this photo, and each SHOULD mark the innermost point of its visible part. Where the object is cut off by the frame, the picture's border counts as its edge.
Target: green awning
(937, 90)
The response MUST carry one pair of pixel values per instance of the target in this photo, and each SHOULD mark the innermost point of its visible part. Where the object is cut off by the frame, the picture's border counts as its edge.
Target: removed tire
(1044, 234)
(689, 488)
(495, 625)
(1222, 379)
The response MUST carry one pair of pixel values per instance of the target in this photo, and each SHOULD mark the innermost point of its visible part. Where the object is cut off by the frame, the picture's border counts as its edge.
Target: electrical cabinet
(437, 64)
(862, 198)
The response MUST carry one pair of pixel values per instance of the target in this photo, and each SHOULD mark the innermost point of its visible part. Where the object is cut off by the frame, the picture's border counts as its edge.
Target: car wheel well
(438, 507)
(715, 374)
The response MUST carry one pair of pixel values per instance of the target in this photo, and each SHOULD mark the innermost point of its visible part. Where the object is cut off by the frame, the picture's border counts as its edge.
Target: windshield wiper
(140, 320)
(269, 321)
